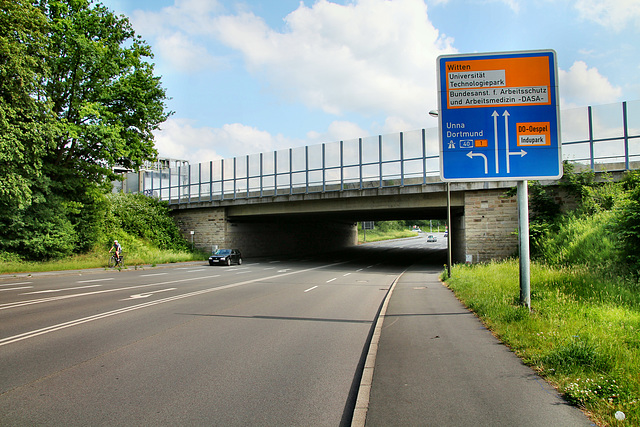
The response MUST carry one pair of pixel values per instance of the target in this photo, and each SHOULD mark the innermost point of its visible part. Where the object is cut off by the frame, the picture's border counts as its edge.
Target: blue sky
(259, 75)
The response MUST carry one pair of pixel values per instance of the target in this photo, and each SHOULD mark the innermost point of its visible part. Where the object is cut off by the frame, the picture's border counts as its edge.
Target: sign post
(499, 120)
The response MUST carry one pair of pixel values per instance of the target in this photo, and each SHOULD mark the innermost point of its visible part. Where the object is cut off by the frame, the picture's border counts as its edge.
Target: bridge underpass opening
(311, 234)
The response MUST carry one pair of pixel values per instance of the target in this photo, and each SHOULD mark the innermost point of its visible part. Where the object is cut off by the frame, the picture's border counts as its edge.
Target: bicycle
(115, 261)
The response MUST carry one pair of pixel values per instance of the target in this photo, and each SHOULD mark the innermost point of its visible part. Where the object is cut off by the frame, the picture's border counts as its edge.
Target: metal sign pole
(448, 230)
(523, 238)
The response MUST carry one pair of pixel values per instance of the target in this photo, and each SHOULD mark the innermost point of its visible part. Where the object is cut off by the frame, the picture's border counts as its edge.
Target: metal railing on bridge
(591, 136)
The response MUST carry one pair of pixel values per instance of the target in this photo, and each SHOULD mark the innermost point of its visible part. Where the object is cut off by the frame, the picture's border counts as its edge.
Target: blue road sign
(499, 116)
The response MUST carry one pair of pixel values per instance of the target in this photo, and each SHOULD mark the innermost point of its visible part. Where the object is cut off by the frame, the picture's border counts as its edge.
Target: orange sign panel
(533, 134)
(498, 82)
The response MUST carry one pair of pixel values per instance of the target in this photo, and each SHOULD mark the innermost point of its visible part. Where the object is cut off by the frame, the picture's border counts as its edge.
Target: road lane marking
(16, 284)
(16, 289)
(195, 271)
(331, 280)
(32, 334)
(53, 291)
(346, 274)
(153, 274)
(310, 289)
(10, 305)
(147, 294)
(95, 280)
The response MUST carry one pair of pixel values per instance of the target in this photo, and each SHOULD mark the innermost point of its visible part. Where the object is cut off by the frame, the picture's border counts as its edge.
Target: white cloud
(368, 57)
(614, 14)
(180, 139)
(338, 131)
(582, 85)
(184, 55)
(188, 16)
(177, 30)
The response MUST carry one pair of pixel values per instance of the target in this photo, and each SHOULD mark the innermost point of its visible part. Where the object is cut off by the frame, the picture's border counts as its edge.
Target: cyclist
(118, 250)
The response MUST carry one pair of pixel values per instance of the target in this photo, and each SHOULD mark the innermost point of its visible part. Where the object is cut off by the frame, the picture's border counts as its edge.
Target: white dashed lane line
(95, 280)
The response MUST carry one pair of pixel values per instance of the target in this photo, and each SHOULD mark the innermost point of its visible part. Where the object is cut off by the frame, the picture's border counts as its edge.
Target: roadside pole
(523, 239)
(448, 230)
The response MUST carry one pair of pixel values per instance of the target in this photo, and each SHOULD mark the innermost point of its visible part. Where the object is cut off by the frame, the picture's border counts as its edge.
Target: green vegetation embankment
(583, 331)
(141, 224)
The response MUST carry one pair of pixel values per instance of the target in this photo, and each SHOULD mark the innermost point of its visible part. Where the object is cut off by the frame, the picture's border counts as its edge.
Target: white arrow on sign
(471, 155)
(506, 136)
(147, 295)
(495, 138)
(520, 153)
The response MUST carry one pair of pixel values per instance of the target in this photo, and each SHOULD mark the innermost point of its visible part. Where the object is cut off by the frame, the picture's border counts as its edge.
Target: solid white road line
(53, 291)
(16, 289)
(16, 284)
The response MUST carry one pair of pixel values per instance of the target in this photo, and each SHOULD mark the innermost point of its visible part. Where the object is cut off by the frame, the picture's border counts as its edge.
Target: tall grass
(586, 240)
(583, 333)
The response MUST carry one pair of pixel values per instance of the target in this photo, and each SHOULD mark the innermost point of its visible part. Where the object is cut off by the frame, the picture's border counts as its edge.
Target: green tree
(23, 111)
(93, 102)
(103, 92)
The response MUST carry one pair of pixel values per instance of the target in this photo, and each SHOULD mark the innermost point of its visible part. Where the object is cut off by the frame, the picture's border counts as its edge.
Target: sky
(253, 76)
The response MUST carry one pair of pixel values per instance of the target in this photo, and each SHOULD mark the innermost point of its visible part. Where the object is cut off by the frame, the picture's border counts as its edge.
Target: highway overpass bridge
(309, 199)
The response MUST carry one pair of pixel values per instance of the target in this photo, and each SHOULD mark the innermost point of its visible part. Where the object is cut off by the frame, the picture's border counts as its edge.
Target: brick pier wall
(491, 224)
(209, 227)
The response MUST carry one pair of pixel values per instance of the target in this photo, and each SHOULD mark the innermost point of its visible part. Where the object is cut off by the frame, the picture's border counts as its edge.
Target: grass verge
(377, 235)
(582, 335)
(142, 255)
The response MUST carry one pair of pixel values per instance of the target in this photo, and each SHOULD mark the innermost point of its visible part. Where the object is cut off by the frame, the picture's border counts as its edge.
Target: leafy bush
(144, 217)
(628, 225)
(581, 239)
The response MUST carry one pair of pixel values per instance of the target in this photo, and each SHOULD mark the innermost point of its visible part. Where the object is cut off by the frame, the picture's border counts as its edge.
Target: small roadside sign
(499, 116)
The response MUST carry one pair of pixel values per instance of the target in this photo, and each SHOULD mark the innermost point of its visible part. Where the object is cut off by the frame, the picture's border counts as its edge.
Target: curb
(362, 401)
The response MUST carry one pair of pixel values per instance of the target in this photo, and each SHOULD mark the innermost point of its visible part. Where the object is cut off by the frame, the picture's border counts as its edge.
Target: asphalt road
(271, 342)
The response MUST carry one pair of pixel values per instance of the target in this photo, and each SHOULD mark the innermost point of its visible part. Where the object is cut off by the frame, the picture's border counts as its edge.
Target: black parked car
(225, 257)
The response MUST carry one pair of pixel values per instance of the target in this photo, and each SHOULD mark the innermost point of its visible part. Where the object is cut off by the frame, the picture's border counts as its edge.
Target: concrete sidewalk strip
(437, 365)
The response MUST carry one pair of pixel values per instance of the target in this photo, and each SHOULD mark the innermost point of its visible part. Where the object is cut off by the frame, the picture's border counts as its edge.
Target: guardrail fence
(605, 134)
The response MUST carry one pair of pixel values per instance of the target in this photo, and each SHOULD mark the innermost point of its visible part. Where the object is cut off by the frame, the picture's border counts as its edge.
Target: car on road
(225, 257)
(431, 238)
